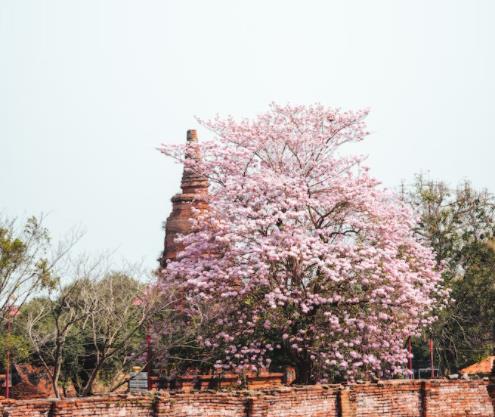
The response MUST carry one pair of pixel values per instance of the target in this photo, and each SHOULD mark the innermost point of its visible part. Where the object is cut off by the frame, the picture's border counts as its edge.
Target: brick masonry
(439, 398)
(193, 196)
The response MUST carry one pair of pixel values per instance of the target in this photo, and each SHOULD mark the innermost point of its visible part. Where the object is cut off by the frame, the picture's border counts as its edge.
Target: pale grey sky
(89, 88)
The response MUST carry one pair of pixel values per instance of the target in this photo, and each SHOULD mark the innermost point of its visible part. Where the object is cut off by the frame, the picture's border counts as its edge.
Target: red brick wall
(392, 398)
(315, 401)
(207, 404)
(387, 399)
(449, 400)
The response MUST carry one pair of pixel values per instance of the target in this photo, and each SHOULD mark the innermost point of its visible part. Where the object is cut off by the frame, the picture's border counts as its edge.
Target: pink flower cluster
(302, 254)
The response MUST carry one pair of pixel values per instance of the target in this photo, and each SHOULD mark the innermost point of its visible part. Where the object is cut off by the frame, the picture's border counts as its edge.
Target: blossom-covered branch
(312, 263)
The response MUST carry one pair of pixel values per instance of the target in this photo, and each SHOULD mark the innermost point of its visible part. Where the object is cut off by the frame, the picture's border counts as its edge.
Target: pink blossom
(297, 237)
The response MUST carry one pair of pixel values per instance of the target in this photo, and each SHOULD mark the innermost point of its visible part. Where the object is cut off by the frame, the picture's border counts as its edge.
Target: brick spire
(194, 195)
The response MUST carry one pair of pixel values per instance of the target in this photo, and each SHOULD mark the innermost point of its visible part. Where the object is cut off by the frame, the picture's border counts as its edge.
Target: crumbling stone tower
(194, 195)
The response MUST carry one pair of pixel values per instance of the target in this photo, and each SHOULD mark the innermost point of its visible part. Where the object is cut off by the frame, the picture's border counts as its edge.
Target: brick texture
(439, 398)
(193, 196)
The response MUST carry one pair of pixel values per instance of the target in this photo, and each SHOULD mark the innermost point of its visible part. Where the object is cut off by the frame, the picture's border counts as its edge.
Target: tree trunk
(58, 365)
(88, 388)
(304, 370)
(56, 391)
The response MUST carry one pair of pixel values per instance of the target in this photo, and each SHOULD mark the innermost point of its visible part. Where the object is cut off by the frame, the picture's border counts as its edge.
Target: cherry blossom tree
(309, 260)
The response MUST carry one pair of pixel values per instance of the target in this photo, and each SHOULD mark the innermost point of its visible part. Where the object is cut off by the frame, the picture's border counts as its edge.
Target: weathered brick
(439, 398)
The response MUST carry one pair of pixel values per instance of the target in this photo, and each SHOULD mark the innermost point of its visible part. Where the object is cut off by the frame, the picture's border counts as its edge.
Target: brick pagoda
(194, 195)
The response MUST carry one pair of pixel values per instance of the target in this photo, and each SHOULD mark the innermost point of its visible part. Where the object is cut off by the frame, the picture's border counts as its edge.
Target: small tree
(91, 329)
(115, 330)
(51, 320)
(309, 261)
(26, 263)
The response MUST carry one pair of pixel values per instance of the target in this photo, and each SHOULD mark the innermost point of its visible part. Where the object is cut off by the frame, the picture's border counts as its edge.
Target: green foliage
(82, 329)
(87, 331)
(114, 333)
(460, 226)
(24, 266)
(17, 345)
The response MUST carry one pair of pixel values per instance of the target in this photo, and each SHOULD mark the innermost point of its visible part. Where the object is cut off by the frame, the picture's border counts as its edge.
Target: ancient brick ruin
(193, 196)
(432, 398)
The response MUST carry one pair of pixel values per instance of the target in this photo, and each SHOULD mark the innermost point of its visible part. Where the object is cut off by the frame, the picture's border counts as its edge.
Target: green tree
(114, 332)
(16, 345)
(51, 320)
(89, 330)
(25, 263)
(459, 224)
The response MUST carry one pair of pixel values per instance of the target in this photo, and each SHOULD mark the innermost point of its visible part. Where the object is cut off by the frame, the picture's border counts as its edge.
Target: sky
(90, 88)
